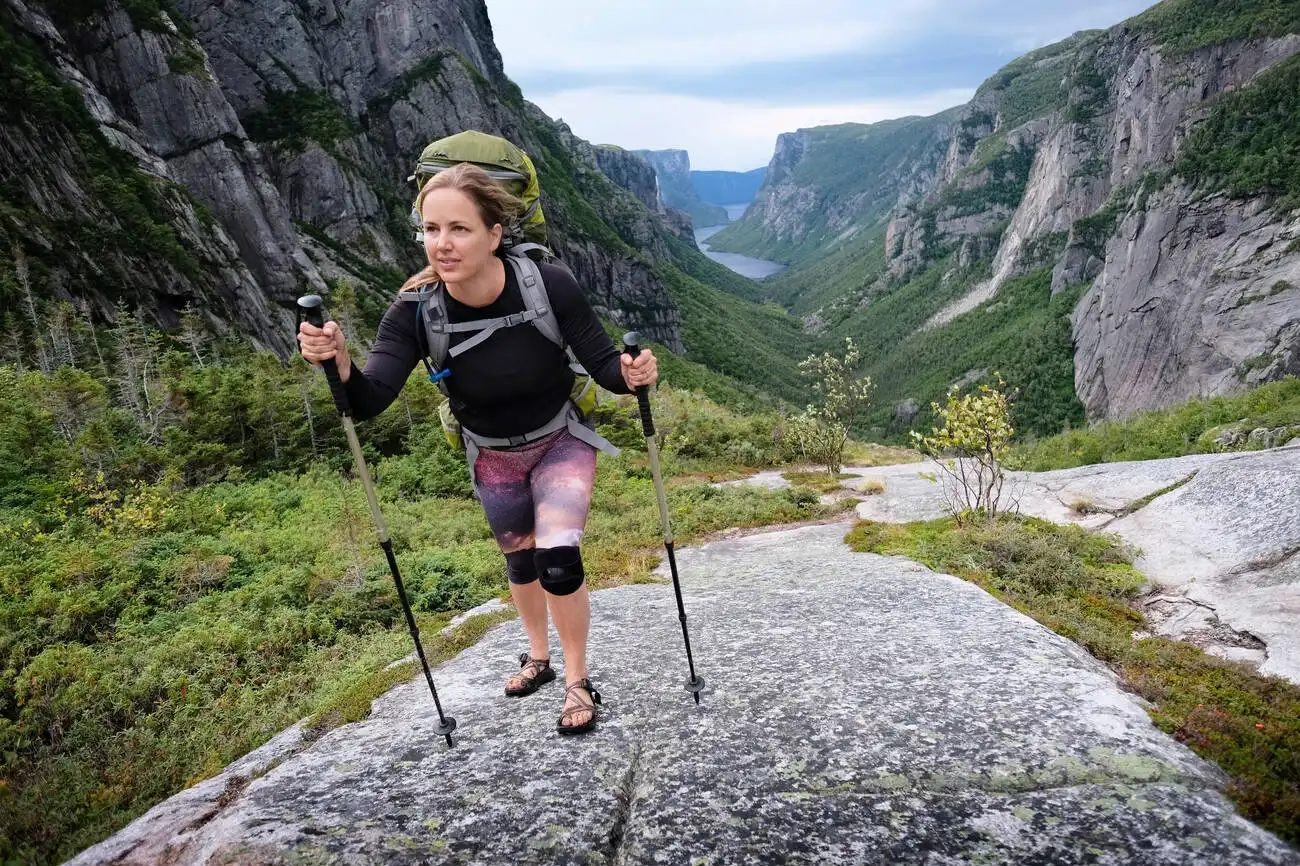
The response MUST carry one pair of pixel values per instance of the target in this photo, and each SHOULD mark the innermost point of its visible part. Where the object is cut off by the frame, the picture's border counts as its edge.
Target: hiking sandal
(581, 708)
(533, 672)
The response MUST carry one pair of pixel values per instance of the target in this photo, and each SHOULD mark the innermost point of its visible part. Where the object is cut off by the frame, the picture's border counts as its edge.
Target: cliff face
(632, 172)
(1194, 295)
(97, 150)
(828, 185)
(673, 168)
(269, 146)
(1076, 158)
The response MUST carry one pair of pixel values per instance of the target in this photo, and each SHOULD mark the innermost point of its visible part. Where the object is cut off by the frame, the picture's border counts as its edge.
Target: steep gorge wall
(1069, 158)
(273, 141)
(673, 168)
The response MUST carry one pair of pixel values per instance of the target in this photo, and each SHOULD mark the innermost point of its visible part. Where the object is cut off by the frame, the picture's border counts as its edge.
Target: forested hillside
(156, 159)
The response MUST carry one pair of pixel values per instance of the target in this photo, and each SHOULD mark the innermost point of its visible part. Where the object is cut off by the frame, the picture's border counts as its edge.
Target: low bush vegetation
(1196, 427)
(187, 565)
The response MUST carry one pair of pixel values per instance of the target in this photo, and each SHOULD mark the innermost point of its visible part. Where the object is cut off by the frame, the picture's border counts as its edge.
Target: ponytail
(423, 278)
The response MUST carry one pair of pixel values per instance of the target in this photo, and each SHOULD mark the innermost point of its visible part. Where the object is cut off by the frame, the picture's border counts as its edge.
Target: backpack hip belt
(567, 417)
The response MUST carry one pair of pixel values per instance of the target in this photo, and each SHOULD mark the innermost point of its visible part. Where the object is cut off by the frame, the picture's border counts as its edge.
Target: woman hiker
(535, 494)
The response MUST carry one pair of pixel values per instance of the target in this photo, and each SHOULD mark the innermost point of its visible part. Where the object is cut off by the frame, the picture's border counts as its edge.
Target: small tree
(842, 397)
(969, 449)
(343, 307)
(194, 332)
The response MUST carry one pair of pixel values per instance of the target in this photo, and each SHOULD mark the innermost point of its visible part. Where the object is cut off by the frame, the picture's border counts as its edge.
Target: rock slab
(1219, 534)
(860, 709)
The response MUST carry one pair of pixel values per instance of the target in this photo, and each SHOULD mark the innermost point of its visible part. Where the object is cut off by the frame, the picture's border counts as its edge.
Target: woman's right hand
(321, 344)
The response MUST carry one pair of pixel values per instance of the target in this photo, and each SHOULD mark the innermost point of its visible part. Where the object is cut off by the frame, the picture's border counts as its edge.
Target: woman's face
(456, 240)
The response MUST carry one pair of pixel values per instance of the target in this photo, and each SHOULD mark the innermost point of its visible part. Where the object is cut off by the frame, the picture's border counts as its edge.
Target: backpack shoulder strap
(533, 288)
(432, 340)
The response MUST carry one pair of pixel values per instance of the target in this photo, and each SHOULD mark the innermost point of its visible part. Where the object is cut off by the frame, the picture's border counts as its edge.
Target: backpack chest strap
(485, 328)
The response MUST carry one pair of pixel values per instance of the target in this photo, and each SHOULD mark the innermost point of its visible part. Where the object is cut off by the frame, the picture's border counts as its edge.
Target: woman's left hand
(642, 371)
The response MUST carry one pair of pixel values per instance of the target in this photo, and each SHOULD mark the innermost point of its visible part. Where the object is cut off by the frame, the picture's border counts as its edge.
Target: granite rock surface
(860, 709)
(1218, 535)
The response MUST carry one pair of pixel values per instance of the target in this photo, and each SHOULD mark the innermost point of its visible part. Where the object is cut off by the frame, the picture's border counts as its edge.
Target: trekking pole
(312, 308)
(632, 346)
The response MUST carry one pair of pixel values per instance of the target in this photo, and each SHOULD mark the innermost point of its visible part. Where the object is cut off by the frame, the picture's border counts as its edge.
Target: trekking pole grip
(632, 346)
(312, 308)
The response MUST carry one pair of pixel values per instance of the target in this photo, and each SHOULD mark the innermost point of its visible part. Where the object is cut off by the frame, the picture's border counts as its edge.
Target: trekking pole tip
(695, 685)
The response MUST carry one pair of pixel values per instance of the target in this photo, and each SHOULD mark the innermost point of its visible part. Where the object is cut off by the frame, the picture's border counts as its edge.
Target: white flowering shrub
(842, 397)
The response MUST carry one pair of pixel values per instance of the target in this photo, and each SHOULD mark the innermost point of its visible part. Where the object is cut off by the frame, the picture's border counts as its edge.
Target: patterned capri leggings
(536, 496)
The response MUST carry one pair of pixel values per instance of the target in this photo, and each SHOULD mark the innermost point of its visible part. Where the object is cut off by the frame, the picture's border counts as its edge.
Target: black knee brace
(521, 567)
(560, 569)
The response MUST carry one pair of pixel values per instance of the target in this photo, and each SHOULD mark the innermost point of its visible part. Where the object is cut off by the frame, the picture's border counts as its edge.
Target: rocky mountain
(1133, 190)
(824, 185)
(635, 174)
(728, 187)
(673, 168)
(228, 157)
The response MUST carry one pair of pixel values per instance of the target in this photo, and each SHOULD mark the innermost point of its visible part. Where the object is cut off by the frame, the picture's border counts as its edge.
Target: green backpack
(524, 247)
(506, 164)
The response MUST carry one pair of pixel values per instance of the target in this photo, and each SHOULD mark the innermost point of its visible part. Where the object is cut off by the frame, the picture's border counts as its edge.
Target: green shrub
(1165, 433)
(293, 118)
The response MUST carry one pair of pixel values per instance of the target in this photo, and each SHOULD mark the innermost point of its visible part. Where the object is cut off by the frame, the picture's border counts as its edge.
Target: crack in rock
(1207, 632)
(1274, 561)
(625, 794)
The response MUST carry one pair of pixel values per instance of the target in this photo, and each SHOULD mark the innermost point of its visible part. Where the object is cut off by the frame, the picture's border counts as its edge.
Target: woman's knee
(521, 566)
(560, 569)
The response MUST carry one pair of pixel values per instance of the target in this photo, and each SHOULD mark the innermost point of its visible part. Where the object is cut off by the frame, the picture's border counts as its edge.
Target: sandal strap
(525, 660)
(530, 668)
(591, 692)
(570, 712)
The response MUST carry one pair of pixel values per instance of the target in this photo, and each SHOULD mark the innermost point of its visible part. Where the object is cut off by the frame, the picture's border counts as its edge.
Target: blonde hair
(496, 206)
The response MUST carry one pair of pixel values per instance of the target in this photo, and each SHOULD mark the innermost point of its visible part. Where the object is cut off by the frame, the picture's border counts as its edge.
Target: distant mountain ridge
(673, 168)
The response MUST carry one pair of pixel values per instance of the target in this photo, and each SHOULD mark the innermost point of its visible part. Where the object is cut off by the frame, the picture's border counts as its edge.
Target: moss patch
(822, 482)
(351, 703)
(1139, 504)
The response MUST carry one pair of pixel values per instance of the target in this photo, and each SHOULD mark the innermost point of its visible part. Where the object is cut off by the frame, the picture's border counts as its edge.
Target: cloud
(721, 78)
(720, 135)
(684, 35)
(847, 76)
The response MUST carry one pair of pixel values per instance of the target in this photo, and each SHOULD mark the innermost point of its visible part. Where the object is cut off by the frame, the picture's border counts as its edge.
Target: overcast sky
(723, 78)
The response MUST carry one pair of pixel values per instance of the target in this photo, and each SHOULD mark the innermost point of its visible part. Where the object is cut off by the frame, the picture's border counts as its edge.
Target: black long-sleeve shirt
(514, 381)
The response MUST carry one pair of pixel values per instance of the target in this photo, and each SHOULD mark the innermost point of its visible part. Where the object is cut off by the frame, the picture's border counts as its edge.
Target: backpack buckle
(437, 377)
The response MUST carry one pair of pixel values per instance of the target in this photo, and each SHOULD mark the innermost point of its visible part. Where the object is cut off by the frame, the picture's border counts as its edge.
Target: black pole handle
(312, 308)
(632, 347)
